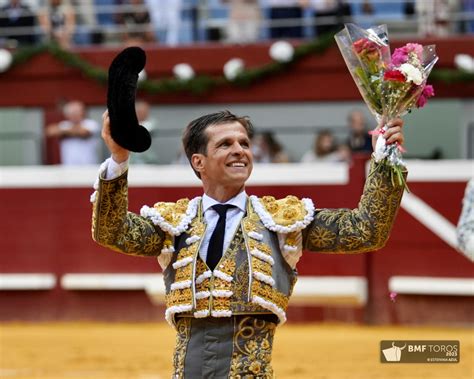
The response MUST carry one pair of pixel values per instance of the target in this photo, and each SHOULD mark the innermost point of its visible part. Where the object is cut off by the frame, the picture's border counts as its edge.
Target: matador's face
(228, 161)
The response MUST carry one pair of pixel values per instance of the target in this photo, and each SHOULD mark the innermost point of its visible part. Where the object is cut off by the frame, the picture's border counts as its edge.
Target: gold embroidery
(183, 273)
(179, 297)
(321, 237)
(285, 211)
(263, 247)
(187, 252)
(220, 303)
(197, 228)
(173, 213)
(183, 253)
(261, 266)
(291, 239)
(240, 303)
(202, 304)
(251, 225)
(220, 284)
(116, 228)
(168, 241)
(203, 286)
(183, 334)
(200, 267)
(365, 228)
(227, 266)
(252, 345)
(270, 294)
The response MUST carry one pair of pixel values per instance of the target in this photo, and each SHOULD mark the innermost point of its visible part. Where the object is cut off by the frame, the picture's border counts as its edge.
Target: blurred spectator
(367, 8)
(244, 21)
(266, 149)
(104, 11)
(77, 134)
(465, 229)
(215, 13)
(142, 109)
(105, 15)
(434, 16)
(190, 17)
(325, 149)
(324, 10)
(58, 21)
(86, 31)
(166, 20)
(409, 8)
(16, 15)
(359, 140)
(136, 21)
(286, 11)
(468, 7)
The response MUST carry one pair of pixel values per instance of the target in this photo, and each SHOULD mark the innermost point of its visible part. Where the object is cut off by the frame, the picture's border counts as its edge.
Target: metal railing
(197, 21)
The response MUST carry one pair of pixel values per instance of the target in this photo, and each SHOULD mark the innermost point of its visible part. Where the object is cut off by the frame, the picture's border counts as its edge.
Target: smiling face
(228, 161)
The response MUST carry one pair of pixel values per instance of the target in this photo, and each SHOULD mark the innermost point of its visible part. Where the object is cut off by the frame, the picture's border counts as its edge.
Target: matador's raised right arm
(116, 228)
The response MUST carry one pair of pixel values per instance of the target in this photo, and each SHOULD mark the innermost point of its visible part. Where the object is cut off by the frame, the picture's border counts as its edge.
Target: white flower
(5, 60)
(183, 71)
(380, 150)
(282, 51)
(412, 74)
(464, 62)
(233, 68)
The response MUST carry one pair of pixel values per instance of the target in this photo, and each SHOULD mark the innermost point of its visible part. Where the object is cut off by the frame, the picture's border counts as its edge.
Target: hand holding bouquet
(390, 85)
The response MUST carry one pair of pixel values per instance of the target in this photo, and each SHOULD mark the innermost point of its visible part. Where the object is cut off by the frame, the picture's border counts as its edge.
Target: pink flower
(427, 92)
(400, 55)
(415, 48)
(394, 75)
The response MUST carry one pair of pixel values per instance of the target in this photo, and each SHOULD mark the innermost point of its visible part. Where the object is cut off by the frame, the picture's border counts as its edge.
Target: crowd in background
(171, 22)
(79, 140)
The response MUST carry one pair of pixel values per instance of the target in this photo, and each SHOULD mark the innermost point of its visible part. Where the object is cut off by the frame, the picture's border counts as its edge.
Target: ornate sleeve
(359, 230)
(116, 228)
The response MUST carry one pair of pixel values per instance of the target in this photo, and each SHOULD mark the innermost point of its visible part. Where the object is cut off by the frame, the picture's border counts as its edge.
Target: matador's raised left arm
(365, 228)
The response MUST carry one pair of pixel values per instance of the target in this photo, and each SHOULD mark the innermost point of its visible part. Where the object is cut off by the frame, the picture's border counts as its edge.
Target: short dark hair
(195, 138)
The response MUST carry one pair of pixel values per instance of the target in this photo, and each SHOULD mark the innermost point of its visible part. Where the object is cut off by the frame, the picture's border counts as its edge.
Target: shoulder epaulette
(173, 218)
(283, 215)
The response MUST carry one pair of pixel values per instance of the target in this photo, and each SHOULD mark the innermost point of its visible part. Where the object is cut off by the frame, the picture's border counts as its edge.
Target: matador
(229, 258)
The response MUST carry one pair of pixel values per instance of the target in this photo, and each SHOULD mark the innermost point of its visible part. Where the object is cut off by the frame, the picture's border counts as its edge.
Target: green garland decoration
(202, 84)
(450, 76)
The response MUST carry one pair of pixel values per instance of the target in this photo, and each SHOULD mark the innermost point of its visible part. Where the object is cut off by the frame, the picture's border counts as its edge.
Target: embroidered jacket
(257, 272)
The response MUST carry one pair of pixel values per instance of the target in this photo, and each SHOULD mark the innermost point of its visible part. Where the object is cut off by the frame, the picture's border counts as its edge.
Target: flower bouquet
(391, 85)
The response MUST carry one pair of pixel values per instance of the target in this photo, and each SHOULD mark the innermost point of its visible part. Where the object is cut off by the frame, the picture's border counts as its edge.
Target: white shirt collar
(240, 201)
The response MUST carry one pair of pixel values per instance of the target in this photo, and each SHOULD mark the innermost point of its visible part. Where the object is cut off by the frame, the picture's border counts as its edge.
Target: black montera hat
(122, 88)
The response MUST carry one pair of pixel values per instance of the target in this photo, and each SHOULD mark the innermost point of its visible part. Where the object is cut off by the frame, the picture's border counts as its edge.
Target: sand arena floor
(143, 351)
